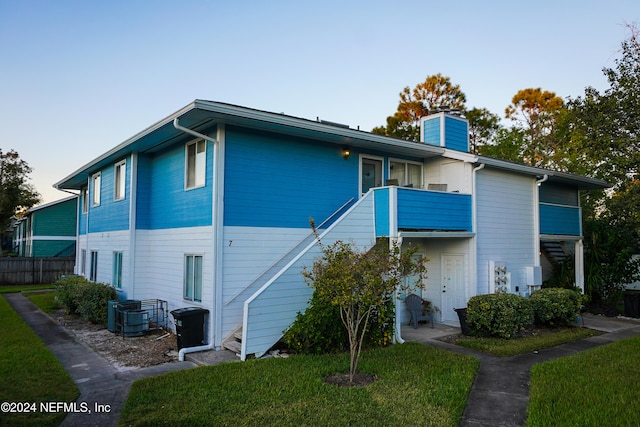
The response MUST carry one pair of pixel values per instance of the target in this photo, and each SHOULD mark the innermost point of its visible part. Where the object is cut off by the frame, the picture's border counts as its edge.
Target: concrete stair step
(234, 346)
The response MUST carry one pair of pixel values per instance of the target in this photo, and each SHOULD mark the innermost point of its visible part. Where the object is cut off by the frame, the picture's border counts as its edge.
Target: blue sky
(79, 77)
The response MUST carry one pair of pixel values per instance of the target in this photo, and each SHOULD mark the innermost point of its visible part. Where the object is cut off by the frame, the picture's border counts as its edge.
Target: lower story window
(193, 278)
(117, 270)
(93, 270)
(83, 262)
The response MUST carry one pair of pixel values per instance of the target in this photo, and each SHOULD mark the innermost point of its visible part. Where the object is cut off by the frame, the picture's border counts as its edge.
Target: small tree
(360, 281)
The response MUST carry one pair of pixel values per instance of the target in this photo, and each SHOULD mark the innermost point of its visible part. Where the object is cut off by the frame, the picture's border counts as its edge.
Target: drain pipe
(186, 350)
(176, 124)
(210, 346)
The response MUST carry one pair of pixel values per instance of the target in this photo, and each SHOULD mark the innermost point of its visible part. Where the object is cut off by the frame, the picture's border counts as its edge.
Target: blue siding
(431, 129)
(456, 134)
(162, 199)
(110, 215)
(431, 210)
(560, 220)
(278, 181)
(382, 212)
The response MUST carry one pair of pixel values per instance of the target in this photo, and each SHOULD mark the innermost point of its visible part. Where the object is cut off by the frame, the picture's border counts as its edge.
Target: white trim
(406, 170)
(198, 164)
(96, 177)
(123, 183)
(370, 157)
(133, 202)
(218, 235)
(36, 237)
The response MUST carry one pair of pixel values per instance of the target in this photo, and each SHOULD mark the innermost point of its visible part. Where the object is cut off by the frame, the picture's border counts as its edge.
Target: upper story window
(95, 187)
(120, 171)
(84, 195)
(196, 164)
(408, 174)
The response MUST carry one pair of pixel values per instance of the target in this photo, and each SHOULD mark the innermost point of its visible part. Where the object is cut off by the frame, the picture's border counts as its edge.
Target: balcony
(398, 208)
(560, 220)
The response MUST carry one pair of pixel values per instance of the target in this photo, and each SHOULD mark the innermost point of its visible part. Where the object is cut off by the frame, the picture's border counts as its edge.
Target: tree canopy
(15, 191)
(436, 91)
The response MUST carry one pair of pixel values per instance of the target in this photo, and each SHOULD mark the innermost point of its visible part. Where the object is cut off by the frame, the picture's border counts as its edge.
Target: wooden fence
(25, 271)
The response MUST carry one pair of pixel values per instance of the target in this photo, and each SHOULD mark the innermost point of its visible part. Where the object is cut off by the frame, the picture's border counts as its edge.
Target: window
(117, 270)
(193, 278)
(93, 271)
(96, 189)
(196, 164)
(84, 194)
(120, 171)
(408, 174)
(83, 262)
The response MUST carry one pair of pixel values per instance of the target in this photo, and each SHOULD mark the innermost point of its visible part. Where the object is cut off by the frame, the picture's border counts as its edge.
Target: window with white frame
(95, 187)
(196, 164)
(93, 270)
(120, 171)
(84, 194)
(117, 269)
(408, 174)
(193, 278)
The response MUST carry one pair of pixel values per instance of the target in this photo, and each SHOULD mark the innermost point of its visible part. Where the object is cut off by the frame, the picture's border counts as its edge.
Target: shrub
(84, 298)
(319, 329)
(498, 315)
(555, 306)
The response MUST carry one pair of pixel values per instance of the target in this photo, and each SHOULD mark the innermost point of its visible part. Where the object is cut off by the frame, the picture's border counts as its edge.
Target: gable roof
(203, 116)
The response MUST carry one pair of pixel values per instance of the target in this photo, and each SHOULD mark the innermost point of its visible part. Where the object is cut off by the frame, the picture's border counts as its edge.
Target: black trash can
(632, 304)
(190, 326)
(462, 316)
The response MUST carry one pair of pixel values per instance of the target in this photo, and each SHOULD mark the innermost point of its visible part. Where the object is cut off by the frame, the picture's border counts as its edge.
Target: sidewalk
(500, 391)
(98, 381)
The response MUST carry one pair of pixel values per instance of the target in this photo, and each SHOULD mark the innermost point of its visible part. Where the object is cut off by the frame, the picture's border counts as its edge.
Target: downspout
(536, 219)
(395, 238)
(216, 243)
(474, 226)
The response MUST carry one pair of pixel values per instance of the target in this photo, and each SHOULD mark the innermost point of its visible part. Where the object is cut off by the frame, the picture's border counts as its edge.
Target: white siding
(270, 311)
(160, 266)
(105, 244)
(505, 225)
(248, 253)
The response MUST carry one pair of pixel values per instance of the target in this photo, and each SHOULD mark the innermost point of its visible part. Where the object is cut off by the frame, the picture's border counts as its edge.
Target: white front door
(453, 287)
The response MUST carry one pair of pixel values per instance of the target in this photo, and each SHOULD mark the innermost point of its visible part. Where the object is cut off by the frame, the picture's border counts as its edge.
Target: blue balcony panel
(560, 220)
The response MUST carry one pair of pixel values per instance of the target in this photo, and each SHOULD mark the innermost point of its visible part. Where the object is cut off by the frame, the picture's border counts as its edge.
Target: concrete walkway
(99, 382)
(500, 391)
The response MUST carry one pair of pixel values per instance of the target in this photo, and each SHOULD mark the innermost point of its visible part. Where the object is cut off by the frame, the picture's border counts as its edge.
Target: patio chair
(418, 311)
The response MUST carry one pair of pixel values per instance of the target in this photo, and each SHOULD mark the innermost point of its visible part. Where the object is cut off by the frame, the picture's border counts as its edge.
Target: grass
(46, 301)
(511, 347)
(7, 289)
(29, 372)
(416, 385)
(595, 387)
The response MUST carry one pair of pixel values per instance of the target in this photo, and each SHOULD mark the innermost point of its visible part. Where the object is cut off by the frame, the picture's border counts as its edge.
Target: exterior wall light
(346, 152)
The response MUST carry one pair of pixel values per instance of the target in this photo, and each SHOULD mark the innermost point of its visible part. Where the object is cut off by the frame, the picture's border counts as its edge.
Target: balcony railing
(560, 220)
(399, 208)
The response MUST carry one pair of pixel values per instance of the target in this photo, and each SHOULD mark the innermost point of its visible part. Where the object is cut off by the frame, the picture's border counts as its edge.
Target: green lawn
(416, 385)
(598, 387)
(510, 347)
(29, 372)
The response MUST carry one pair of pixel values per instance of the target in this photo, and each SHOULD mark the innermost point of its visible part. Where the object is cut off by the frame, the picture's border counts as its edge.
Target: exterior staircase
(554, 251)
(234, 342)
